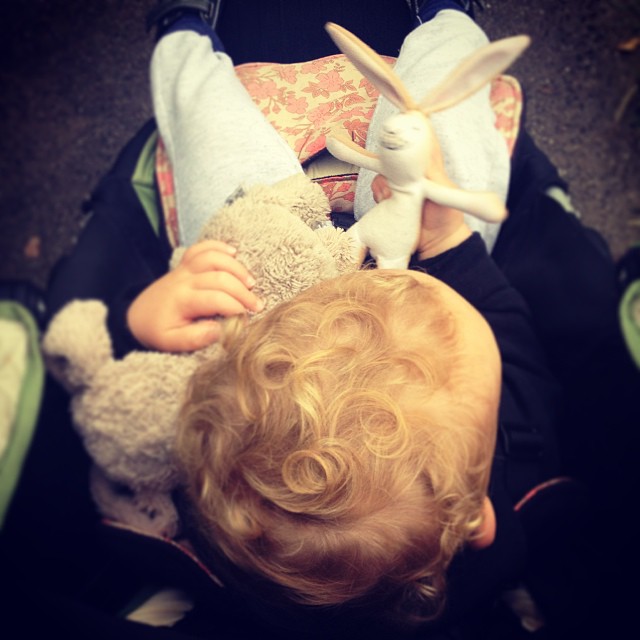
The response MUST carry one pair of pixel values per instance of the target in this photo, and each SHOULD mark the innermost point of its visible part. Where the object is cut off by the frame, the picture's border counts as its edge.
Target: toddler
(344, 448)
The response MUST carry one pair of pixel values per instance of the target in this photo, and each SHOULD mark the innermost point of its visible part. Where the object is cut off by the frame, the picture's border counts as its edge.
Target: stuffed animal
(391, 229)
(126, 410)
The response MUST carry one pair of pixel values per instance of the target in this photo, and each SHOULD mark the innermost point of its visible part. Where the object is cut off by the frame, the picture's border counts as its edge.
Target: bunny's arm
(348, 151)
(481, 204)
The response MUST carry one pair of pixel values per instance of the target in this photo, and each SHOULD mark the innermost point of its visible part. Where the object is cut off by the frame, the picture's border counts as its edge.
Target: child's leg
(217, 139)
(475, 153)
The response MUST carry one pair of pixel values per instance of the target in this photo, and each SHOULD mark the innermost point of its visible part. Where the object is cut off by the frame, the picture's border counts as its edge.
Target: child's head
(342, 446)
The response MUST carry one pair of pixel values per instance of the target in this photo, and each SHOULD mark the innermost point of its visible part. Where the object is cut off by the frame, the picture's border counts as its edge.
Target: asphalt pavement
(74, 89)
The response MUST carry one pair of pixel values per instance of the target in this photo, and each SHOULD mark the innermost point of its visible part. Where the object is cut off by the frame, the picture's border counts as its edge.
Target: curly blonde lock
(332, 449)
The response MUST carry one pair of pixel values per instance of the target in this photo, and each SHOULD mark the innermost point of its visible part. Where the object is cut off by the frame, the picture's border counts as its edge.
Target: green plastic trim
(28, 409)
(629, 311)
(143, 181)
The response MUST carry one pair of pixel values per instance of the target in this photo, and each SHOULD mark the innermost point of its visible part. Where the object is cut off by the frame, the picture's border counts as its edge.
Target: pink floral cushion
(307, 101)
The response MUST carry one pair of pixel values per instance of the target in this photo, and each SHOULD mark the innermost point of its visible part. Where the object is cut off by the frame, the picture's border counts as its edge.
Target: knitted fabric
(217, 139)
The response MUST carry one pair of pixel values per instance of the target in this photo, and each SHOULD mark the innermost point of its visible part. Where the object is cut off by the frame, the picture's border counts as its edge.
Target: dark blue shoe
(166, 12)
(425, 10)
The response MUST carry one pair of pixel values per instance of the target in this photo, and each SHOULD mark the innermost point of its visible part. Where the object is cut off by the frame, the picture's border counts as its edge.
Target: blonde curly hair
(338, 448)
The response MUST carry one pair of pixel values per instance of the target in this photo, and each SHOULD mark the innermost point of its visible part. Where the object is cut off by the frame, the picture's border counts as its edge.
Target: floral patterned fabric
(308, 101)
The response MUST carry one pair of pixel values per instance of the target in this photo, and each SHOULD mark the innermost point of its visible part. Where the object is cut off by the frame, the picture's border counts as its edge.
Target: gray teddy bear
(125, 410)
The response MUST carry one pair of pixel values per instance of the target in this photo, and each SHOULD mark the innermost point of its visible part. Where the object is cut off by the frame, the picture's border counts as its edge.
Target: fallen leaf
(32, 248)
(630, 45)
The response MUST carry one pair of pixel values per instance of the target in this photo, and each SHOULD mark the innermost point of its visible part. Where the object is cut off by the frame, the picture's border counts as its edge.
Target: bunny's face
(404, 146)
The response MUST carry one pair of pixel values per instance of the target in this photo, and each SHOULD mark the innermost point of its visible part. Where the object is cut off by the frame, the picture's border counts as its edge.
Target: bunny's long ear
(473, 72)
(372, 66)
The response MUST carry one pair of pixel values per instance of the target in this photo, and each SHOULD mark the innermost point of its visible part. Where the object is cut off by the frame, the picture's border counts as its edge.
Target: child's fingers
(214, 303)
(207, 245)
(212, 282)
(208, 303)
(380, 188)
(217, 261)
(191, 337)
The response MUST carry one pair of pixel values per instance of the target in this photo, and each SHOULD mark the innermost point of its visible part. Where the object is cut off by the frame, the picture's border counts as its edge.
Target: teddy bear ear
(342, 247)
(76, 344)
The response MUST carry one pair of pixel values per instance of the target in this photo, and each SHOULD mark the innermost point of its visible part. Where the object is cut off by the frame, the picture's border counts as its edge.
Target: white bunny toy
(391, 229)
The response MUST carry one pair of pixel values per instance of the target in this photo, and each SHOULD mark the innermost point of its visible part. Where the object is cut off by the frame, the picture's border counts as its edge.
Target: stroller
(69, 570)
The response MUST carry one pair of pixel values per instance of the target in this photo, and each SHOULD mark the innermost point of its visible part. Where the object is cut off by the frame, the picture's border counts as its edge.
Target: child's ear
(486, 532)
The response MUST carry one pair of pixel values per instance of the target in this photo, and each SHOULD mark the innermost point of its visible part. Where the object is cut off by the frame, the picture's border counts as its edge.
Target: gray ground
(73, 89)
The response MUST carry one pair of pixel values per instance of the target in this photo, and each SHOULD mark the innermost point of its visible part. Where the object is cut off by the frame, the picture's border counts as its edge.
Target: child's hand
(442, 227)
(176, 312)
